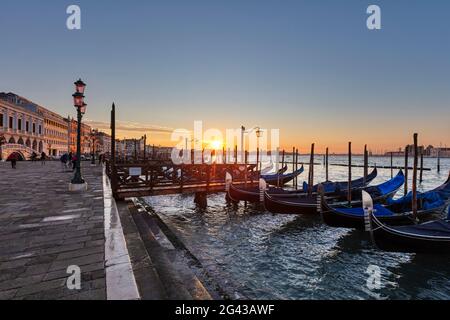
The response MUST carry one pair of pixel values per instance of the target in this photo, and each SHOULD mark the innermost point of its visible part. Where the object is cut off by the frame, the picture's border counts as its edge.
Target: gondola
(394, 212)
(336, 189)
(429, 237)
(280, 179)
(264, 172)
(309, 204)
(303, 204)
(252, 194)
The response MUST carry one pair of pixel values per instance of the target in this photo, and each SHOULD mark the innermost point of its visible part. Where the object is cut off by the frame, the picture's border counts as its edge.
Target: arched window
(20, 141)
(34, 145)
(12, 140)
(41, 146)
(28, 143)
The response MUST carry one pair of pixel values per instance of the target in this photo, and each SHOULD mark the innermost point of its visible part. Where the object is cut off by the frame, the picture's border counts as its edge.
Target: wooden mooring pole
(311, 171)
(224, 156)
(293, 165)
(439, 160)
(349, 191)
(414, 180)
(296, 168)
(282, 166)
(257, 159)
(113, 134)
(293, 159)
(326, 164)
(366, 164)
(406, 170)
(421, 166)
(113, 151)
(392, 165)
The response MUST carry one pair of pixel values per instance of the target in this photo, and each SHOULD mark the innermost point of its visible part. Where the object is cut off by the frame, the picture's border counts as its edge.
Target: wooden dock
(154, 178)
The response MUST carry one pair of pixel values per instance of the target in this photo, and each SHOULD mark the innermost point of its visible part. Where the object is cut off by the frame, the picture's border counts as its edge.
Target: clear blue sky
(311, 68)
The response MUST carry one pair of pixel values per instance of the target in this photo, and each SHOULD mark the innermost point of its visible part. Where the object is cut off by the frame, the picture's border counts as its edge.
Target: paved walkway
(120, 249)
(44, 229)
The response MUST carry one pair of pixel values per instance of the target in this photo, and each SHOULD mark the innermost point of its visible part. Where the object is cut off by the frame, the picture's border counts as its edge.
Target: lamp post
(78, 99)
(259, 133)
(93, 138)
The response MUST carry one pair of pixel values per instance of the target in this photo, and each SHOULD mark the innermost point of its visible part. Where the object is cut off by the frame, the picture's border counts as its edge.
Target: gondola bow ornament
(228, 181)
(367, 203)
(262, 189)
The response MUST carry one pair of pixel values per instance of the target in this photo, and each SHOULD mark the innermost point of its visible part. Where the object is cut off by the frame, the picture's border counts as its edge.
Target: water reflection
(259, 255)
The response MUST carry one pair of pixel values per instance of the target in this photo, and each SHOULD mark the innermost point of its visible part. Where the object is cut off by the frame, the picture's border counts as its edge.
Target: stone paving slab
(44, 229)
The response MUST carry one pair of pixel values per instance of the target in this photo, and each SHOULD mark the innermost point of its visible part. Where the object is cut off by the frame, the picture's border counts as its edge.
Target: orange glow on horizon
(337, 144)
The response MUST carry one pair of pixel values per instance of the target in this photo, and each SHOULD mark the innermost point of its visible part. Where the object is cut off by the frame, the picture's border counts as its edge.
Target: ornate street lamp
(80, 86)
(259, 133)
(83, 109)
(78, 101)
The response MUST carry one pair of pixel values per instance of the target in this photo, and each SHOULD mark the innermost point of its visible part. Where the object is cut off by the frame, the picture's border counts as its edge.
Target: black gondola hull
(237, 195)
(308, 206)
(389, 240)
(337, 219)
(253, 195)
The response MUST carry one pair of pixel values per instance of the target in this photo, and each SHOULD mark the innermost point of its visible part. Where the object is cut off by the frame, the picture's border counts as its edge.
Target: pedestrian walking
(13, 161)
(74, 162)
(43, 157)
(64, 159)
(69, 160)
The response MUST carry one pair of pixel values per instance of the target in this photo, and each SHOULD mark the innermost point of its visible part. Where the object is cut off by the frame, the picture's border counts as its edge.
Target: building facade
(428, 151)
(133, 147)
(21, 129)
(439, 152)
(26, 127)
(86, 132)
(56, 133)
(102, 142)
(120, 148)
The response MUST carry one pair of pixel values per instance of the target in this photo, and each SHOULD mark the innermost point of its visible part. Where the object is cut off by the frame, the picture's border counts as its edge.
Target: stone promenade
(120, 248)
(44, 229)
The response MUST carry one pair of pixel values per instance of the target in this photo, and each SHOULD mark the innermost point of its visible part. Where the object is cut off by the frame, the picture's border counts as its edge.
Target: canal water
(257, 255)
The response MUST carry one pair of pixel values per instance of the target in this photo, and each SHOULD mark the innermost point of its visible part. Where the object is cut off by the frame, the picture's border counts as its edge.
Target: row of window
(20, 125)
(55, 133)
(33, 128)
(55, 142)
(55, 124)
